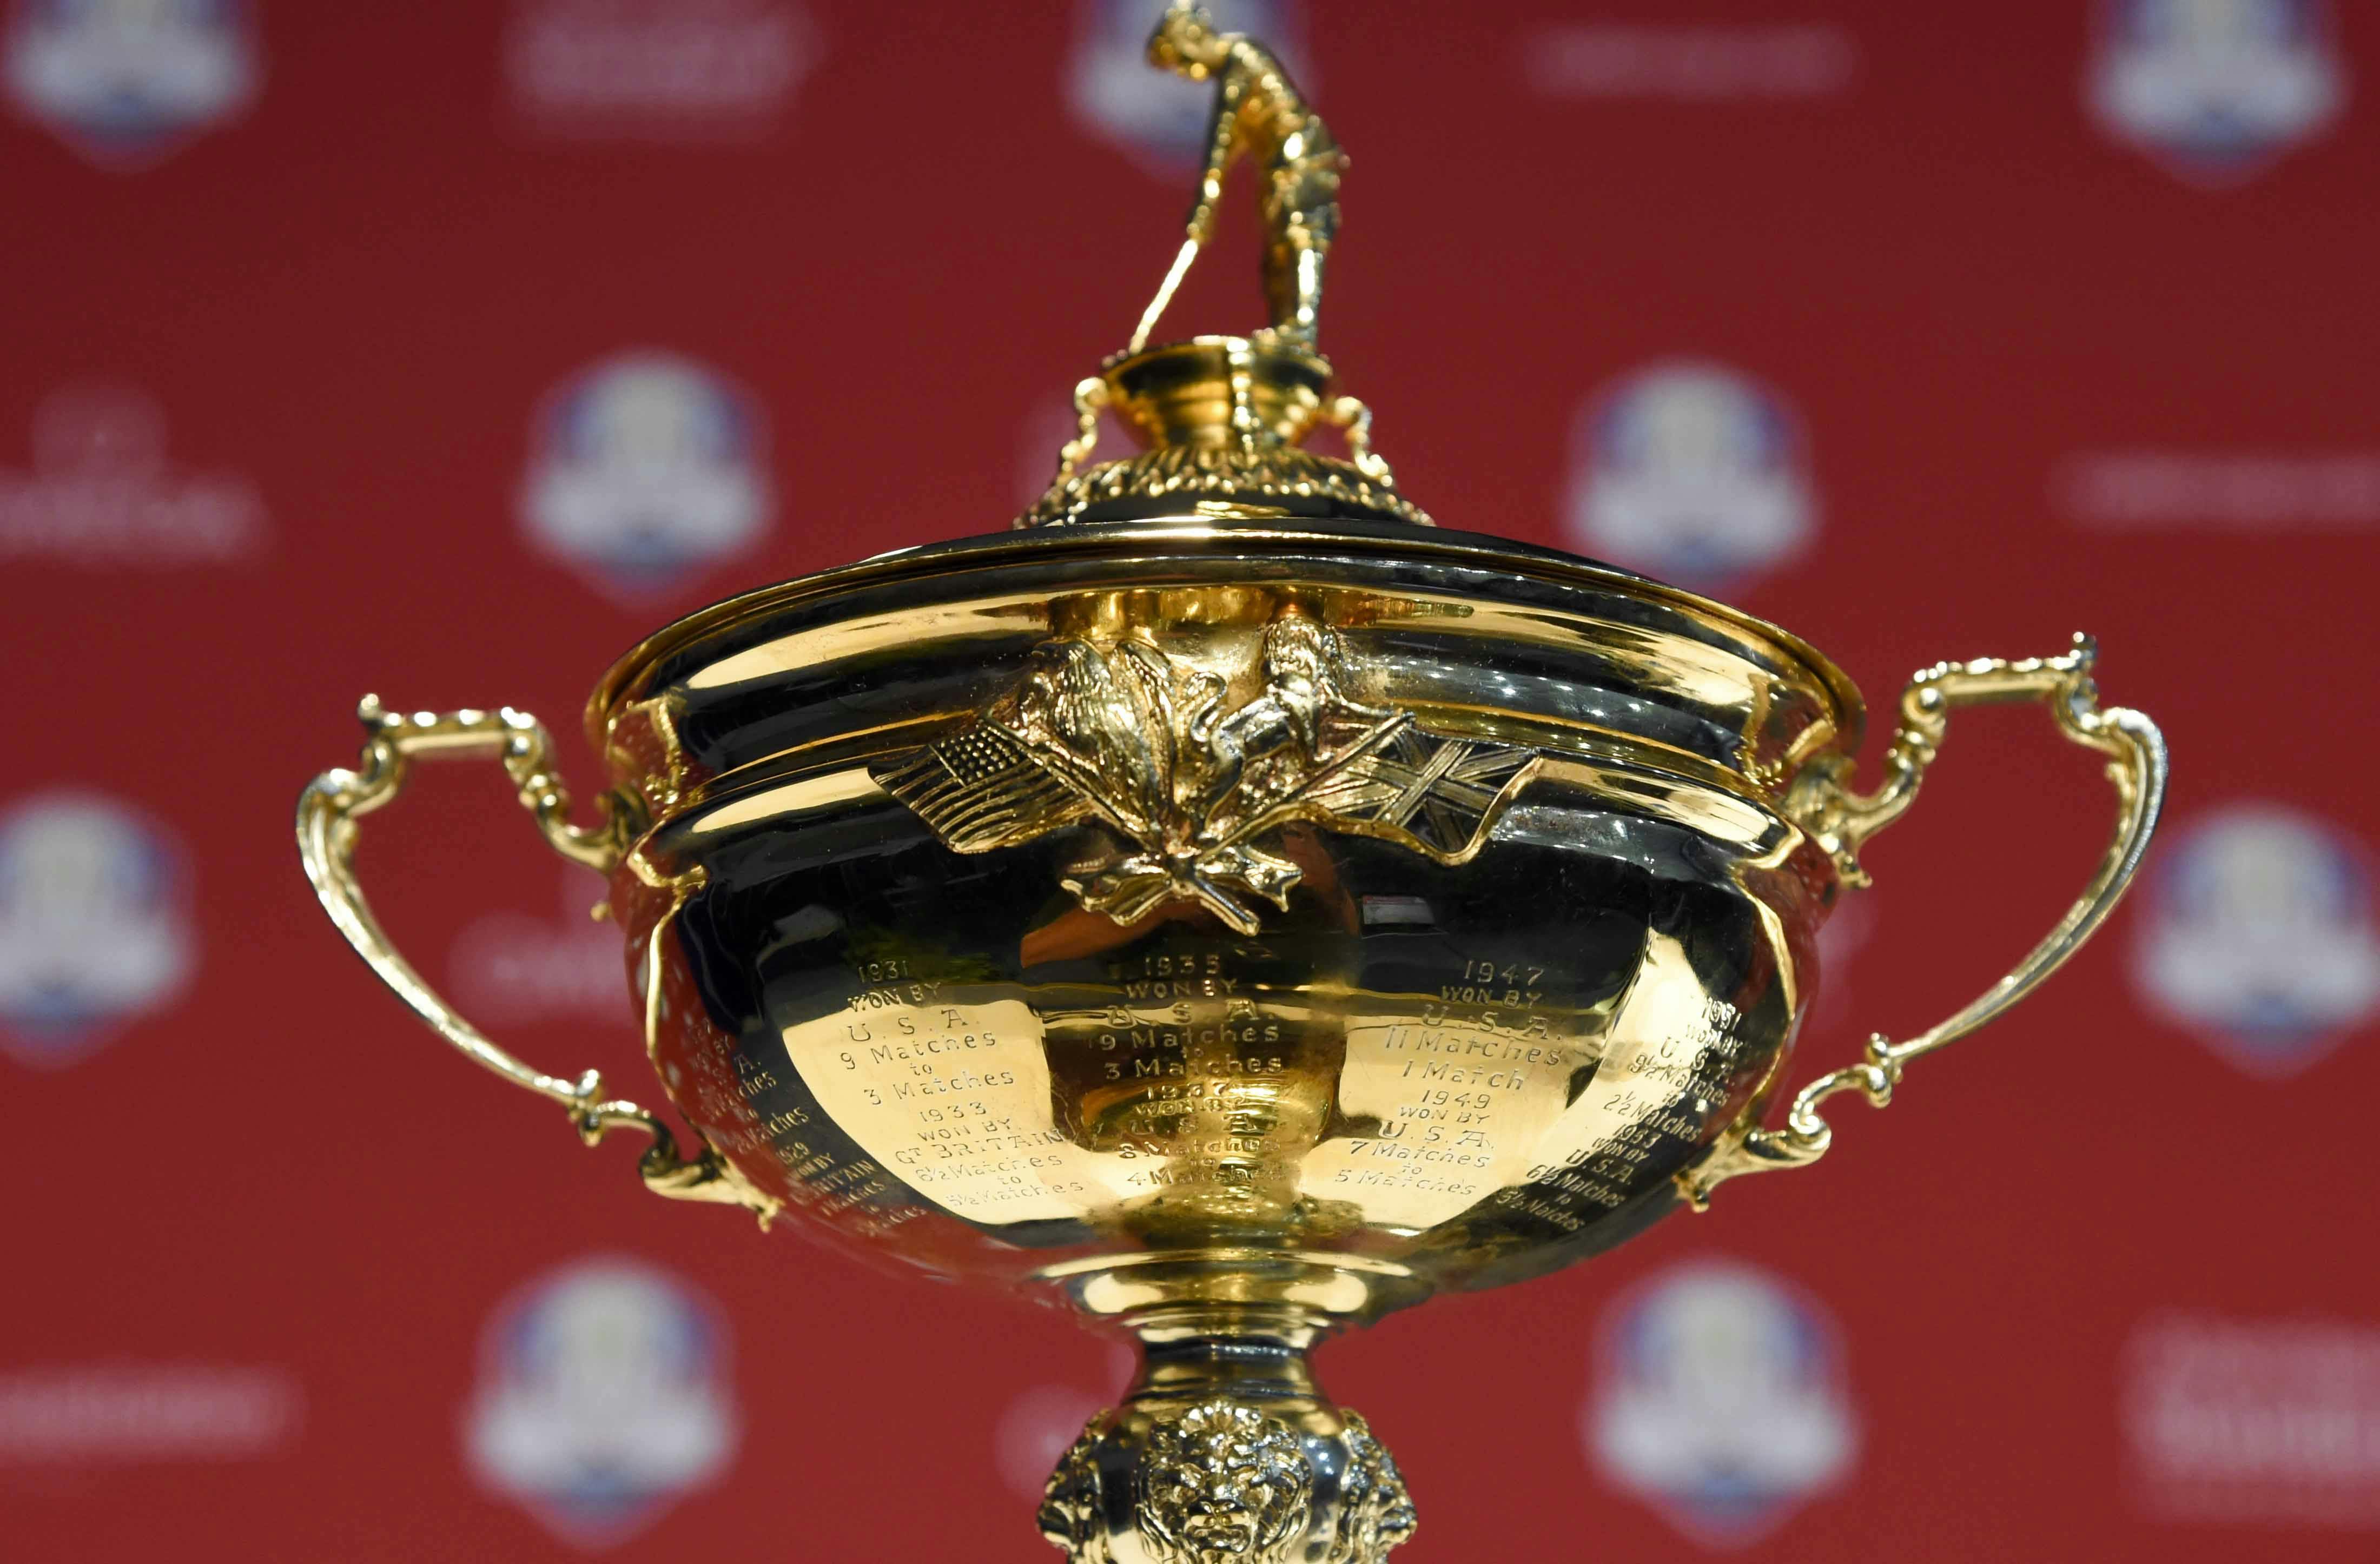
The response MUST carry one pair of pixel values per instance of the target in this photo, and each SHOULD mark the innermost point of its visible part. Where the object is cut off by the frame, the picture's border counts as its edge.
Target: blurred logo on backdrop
(656, 70)
(602, 1398)
(1690, 62)
(95, 927)
(127, 81)
(122, 1413)
(1159, 118)
(2254, 1421)
(2215, 89)
(2225, 491)
(1689, 471)
(511, 969)
(1719, 1398)
(647, 470)
(2258, 935)
(102, 492)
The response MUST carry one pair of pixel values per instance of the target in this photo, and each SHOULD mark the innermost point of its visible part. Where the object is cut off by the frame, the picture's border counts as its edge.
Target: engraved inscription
(1198, 1087)
(951, 1099)
(1448, 1095)
(1670, 1060)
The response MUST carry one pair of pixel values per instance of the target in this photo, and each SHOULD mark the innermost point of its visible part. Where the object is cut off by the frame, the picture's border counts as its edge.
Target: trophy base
(1224, 1448)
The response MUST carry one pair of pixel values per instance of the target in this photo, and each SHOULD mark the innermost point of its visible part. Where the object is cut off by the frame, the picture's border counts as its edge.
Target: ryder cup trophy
(1225, 901)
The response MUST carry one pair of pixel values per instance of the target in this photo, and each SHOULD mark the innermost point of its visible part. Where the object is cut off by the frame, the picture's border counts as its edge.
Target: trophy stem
(1226, 1449)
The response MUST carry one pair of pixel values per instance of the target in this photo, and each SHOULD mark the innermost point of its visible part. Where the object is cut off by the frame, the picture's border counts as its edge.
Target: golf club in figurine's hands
(1224, 902)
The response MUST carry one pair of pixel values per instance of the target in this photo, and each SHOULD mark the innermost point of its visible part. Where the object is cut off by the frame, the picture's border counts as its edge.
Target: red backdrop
(1952, 329)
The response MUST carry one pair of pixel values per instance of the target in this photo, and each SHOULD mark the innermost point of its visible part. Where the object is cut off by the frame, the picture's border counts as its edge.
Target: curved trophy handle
(1090, 400)
(327, 813)
(1842, 821)
(1354, 419)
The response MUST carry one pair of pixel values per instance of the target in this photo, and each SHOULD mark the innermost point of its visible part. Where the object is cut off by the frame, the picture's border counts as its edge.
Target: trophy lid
(914, 594)
(1225, 493)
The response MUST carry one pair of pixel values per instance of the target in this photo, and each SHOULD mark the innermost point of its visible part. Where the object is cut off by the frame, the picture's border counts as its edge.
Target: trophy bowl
(1226, 904)
(1239, 928)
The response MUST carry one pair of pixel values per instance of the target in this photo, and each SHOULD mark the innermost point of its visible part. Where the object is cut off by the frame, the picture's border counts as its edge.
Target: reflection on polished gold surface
(1238, 913)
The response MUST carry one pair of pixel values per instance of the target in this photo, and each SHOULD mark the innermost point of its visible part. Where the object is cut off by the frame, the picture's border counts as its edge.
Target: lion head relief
(1223, 1484)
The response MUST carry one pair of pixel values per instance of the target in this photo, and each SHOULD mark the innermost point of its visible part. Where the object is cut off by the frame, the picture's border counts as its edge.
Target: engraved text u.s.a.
(1117, 733)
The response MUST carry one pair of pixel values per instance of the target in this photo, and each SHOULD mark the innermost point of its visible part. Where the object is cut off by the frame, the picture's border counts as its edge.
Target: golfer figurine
(1259, 113)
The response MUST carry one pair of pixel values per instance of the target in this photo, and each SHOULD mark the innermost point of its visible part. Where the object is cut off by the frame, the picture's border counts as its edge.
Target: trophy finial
(1261, 114)
(1223, 417)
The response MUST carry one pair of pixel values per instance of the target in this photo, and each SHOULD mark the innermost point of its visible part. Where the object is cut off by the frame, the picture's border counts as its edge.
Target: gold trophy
(1225, 901)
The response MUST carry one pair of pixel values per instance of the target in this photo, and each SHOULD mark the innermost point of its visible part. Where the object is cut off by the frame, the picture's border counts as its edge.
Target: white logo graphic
(2250, 1421)
(102, 492)
(95, 925)
(2259, 936)
(510, 968)
(1689, 471)
(1719, 1398)
(657, 70)
(1120, 97)
(602, 1397)
(127, 81)
(2215, 89)
(648, 470)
